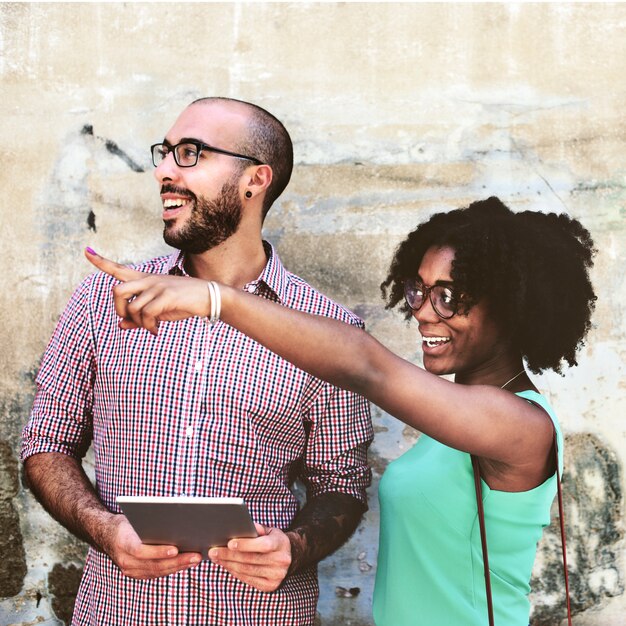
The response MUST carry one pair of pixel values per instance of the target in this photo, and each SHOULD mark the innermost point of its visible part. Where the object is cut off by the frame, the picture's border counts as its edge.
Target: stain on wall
(593, 503)
(63, 582)
(13, 561)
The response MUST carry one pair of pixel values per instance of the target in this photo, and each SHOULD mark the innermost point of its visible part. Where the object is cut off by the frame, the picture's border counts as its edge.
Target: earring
(248, 194)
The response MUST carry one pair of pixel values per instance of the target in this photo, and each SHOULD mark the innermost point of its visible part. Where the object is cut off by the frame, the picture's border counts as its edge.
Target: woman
(490, 290)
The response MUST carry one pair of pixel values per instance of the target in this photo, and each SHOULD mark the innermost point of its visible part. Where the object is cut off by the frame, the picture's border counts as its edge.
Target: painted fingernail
(91, 250)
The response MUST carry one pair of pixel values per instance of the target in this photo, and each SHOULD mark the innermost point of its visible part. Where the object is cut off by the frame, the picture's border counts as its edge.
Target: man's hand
(143, 299)
(61, 485)
(262, 562)
(139, 560)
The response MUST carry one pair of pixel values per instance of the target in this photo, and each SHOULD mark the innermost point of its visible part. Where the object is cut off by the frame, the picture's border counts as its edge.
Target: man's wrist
(101, 527)
(298, 543)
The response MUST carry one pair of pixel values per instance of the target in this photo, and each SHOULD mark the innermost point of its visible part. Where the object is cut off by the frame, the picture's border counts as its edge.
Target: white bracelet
(211, 289)
(216, 301)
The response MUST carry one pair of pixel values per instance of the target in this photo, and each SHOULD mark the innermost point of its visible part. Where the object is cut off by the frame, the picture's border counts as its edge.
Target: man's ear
(257, 181)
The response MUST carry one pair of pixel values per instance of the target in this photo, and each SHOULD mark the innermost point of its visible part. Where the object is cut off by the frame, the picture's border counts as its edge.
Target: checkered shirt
(199, 410)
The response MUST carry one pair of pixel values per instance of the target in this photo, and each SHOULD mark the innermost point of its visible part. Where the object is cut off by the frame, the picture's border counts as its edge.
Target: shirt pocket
(230, 454)
(253, 407)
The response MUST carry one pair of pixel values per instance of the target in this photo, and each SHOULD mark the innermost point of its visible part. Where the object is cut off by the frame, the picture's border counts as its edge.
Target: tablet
(191, 524)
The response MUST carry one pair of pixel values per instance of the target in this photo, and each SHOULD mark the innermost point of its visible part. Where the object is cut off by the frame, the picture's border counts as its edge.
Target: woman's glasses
(441, 297)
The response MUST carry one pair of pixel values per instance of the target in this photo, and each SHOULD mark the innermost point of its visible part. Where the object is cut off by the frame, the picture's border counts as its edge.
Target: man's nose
(166, 169)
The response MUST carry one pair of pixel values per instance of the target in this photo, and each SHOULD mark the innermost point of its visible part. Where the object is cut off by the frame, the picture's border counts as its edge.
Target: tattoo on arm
(324, 524)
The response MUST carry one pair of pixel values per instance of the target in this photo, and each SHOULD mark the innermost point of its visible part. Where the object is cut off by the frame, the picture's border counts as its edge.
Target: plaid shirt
(196, 411)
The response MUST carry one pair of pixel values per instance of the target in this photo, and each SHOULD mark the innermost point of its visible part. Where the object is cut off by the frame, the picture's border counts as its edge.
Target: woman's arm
(483, 420)
(480, 419)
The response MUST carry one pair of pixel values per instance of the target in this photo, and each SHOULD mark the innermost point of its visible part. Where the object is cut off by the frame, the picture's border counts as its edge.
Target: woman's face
(470, 345)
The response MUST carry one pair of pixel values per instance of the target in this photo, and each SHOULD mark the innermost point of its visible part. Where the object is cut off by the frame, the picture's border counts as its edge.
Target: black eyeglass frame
(199, 147)
(428, 293)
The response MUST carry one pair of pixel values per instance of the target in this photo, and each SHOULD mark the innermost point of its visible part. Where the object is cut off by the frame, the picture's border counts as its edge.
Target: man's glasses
(441, 297)
(186, 153)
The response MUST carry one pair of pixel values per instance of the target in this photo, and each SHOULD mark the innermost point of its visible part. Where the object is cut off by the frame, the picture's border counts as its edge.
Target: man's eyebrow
(169, 144)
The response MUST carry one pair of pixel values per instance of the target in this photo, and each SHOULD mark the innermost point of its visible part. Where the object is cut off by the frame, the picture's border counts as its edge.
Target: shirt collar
(175, 264)
(273, 277)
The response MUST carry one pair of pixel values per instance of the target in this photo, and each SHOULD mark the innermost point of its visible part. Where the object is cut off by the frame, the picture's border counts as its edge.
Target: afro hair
(532, 268)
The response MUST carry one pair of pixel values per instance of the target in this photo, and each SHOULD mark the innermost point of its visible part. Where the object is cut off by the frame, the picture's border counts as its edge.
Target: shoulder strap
(483, 532)
(562, 525)
(483, 535)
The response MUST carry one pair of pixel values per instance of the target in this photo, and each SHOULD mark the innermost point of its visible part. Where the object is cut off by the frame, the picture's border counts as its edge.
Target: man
(200, 410)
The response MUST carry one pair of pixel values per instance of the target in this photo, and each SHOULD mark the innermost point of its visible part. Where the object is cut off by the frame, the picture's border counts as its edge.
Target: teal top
(430, 564)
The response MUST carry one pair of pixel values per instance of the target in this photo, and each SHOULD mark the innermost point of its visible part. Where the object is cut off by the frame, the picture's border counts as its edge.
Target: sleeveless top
(430, 564)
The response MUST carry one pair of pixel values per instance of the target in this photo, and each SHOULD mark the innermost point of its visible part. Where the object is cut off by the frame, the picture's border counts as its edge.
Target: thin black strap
(483, 535)
(562, 525)
(483, 532)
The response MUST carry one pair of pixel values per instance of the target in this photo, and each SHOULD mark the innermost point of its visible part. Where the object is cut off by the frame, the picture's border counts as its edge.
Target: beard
(211, 221)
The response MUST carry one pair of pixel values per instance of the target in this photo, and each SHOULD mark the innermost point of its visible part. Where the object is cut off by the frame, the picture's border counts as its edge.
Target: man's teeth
(168, 204)
(431, 342)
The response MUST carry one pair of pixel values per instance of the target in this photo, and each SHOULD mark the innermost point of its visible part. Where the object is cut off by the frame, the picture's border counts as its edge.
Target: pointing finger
(121, 272)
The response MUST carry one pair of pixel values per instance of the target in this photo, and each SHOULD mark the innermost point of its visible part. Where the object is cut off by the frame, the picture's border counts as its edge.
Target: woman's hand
(142, 299)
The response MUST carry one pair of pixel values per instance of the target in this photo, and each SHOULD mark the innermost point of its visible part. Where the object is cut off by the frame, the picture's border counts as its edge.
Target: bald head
(265, 138)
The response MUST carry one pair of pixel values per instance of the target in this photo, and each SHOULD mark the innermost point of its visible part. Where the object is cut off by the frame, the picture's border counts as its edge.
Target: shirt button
(189, 431)
(251, 288)
(198, 366)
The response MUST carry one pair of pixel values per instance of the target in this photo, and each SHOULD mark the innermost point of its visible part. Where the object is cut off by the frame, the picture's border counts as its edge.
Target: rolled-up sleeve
(60, 420)
(339, 436)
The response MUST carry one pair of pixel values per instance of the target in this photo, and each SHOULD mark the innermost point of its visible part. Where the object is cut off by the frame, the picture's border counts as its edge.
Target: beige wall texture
(396, 110)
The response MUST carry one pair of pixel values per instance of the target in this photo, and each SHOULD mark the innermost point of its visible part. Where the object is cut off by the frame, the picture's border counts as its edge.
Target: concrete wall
(395, 111)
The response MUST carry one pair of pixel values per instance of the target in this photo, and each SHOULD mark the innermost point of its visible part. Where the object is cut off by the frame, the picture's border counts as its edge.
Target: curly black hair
(531, 267)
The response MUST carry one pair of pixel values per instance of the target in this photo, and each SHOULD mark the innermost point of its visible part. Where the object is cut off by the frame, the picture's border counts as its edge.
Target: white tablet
(191, 524)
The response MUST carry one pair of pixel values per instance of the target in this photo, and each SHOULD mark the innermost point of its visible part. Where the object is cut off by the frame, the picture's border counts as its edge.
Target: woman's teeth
(432, 342)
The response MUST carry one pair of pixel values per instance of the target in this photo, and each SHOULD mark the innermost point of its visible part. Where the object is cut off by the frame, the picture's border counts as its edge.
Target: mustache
(179, 191)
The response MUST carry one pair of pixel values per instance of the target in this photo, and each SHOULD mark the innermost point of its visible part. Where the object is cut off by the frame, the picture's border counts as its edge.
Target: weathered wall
(395, 111)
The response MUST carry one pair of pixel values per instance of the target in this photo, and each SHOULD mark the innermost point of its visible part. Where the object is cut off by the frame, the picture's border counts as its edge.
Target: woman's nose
(426, 313)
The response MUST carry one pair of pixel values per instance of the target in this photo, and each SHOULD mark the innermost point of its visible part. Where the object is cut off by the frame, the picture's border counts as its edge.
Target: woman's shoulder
(540, 400)
(533, 396)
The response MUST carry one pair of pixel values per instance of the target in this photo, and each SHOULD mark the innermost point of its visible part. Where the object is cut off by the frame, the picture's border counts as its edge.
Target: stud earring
(248, 194)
